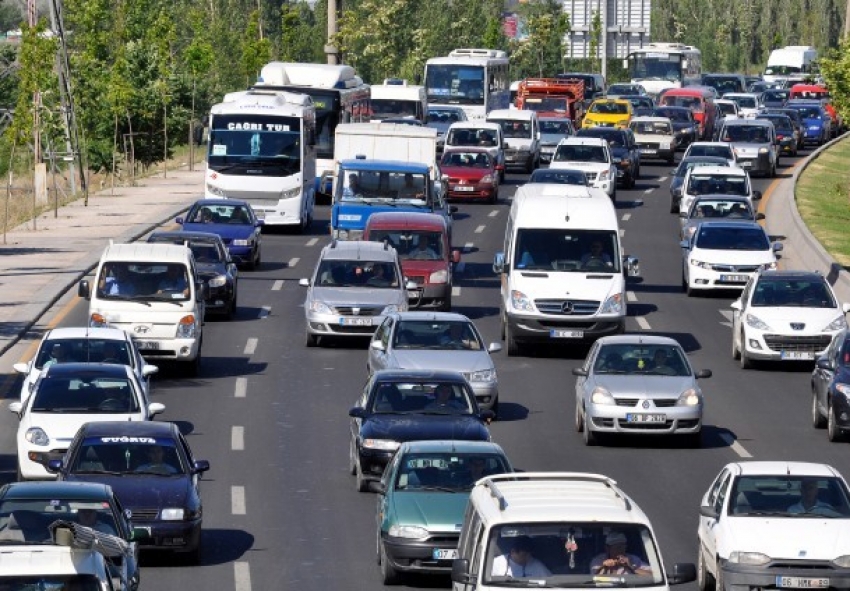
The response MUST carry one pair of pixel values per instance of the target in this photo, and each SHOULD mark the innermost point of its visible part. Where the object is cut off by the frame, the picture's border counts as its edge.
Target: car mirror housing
(379, 487)
(703, 373)
(579, 371)
(377, 345)
(460, 571)
(304, 282)
(23, 368)
(83, 289)
(54, 466)
(708, 511)
(756, 195)
(155, 408)
(140, 533)
(736, 305)
(824, 363)
(494, 347)
(357, 412)
(455, 256)
(499, 263)
(200, 466)
(178, 220)
(16, 407)
(149, 370)
(683, 572)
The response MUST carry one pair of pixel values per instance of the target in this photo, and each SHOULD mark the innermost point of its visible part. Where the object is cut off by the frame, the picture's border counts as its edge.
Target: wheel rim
(831, 427)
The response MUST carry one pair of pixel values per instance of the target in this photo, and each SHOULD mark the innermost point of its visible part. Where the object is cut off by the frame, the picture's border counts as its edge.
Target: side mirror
(304, 282)
(155, 408)
(200, 466)
(23, 368)
(357, 412)
(460, 571)
(83, 289)
(178, 221)
(499, 167)
(756, 195)
(673, 171)
(505, 145)
(453, 209)
(825, 364)
(703, 373)
(410, 285)
(683, 572)
(455, 256)
(777, 247)
(759, 216)
(499, 263)
(845, 307)
(53, 466)
(16, 407)
(140, 533)
(379, 487)
(377, 345)
(736, 305)
(494, 347)
(684, 244)
(631, 266)
(708, 511)
(683, 215)
(579, 371)
(149, 370)
(260, 223)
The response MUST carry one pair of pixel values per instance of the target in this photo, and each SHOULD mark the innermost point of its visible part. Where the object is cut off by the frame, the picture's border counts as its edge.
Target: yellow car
(608, 112)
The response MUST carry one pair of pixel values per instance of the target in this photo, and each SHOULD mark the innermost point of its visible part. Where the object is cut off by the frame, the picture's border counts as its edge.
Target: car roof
(719, 170)
(747, 123)
(576, 140)
(518, 114)
(703, 158)
(731, 225)
(401, 375)
(183, 235)
(129, 429)
(637, 339)
(146, 252)
(87, 370)
(716, 144)
(359, 249)
(465, 149)
(82, 332)
(769, 468)
(721, 197)
(459, 446)
(475, 124)
(777, 275)
(650, 119)
(52, 489)
(540, 210)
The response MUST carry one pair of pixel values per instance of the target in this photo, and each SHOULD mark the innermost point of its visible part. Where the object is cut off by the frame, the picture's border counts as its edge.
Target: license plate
(642, 418)
(152, 345)
(444, 554)
(798, 355)
(566, 334)
(647, 151)
(463, 188)
(355, 321)
(745, 164)
(734, 278)
(802, 583)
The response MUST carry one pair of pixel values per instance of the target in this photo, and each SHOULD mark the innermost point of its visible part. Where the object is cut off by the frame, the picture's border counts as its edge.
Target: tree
(835, 69)
(541, 53)
(595, 40)
(256, 51)
(300, 40)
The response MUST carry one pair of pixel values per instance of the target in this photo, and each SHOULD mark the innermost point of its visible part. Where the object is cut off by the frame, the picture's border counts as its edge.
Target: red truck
(552, 97)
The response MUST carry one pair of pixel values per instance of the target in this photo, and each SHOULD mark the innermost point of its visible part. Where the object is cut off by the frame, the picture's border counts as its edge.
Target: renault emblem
(355, 311)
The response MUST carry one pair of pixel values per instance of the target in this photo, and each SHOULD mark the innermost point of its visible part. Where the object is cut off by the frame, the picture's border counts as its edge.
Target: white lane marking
(242, 576)
(648, 191)
(264, 312)
(312, 242)
(494, 213)
(479, 229)
(662, 179)
(622, 232)
(241, 388)
(455, 291)
(237, 500)
(727, 314)
(277, 285)
(468, 247)
(292, 262)
(642, 322)
(250, 347)
(237, 438)
(626, 217)
(736, 447)
(631, 297)
(460, 267)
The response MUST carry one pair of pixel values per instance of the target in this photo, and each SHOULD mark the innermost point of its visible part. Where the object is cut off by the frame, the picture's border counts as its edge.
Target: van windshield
(513, 128)
(571, 554)
(577, 251)
(145, 281)
(411, 244)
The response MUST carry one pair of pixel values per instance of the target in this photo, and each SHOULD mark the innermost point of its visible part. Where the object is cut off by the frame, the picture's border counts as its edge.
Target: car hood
(561, 285)
(449, 360)
(551, 139)
(653, 138)
(143, 491)
(435, 511)
(813, 538)
(357, 295)
(586, 166)
(735, 257)
(518, 142)
(210, 270)
(645, 386)
(61, 427)
(468, 173)
(814, 320)
(416, 427)
(226, 231)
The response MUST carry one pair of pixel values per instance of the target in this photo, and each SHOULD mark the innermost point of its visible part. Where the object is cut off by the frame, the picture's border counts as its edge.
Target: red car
(472, 174)
(422, 243)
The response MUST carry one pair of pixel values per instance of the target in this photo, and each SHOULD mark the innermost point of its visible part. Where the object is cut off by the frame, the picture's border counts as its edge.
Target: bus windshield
(255, 144)
(455, 84)
(651, 66)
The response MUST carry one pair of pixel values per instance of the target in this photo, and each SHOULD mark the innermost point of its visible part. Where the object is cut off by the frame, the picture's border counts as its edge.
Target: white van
(152, 291)
(568, 524)
(481, 134)
(522, 134)
(562, 270)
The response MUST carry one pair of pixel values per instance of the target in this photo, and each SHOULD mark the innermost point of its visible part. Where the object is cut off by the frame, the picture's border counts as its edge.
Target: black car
(775, 98)
(831, 389)
(796, 121)
(642, 106)
(28, 508)
(785, 132)
(408, 405)
(214, 266)
(624, 151)
(677, 175)
(151, 469)
(685, 126)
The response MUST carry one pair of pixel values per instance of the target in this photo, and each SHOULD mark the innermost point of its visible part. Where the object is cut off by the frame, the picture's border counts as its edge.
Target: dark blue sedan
(232, 219)
(831, 389)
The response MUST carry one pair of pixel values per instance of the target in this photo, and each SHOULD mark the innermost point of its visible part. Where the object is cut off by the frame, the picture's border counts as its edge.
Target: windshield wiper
(126, 298)
(166, 298)
(438, 488)
(150, 473)
(109, 472)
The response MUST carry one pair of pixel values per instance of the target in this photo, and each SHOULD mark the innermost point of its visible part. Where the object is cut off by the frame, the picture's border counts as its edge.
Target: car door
(378, 357)
(355, 423)
(709, 526)
(187, 452)
(739, 309)
(584, 384)
(384, 493)
(822, 377)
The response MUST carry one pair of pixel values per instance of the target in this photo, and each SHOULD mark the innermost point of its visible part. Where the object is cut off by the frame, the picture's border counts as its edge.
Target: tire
(690, 291)
(447, 303)
(352, 459)
(495, 198)
(231, 309)
(614, 194)
(818, 420)
(310, 340)
(193, 368)
(389, 575)
(502, 325)
(705, 580)
(674, 205)
(720, 583)
(495, 409)
(632, 179)
(736, 353)
(590, 438)
(360, 483)
(744, 359)
(512, 345)
(18, 476)
(579, 421)
(833, 432)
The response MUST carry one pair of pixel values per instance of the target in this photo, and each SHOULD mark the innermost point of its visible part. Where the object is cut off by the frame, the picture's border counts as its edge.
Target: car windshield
(144, 281)
(376, 186)
(623, 89)
(357, 273)
(704, 184)
(673, 114)
(570, 554)
(511, 128)
(97, 395)
(748, 134)
(745, 102)
(545, 104)
(449, 335)
(609, 108)
(641, 359)
(419, 245)
(205, 213)
(49, 582)
(576, 251)
(480, 160)
(124, 455)
(800, 497)
(651, 127)
(415, 397)
(580, 153)
(779, 123)
(389, 108)
(729, 238)
(723, 85)
(689, 102)
(554, 127)
(467, 136)
(775, 96)
(727, 108)
(718, 151)
(83, 350)
(796, 293)
(28, 520)
(558, 176)
(809, 112)
(720, 208)
(446, 472)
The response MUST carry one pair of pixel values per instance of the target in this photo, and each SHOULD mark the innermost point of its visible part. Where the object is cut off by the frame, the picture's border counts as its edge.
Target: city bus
(474, 79)
(339, 96)
(659, 66)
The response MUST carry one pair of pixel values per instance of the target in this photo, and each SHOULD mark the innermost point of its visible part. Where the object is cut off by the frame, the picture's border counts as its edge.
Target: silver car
(354, 286)
(755, 144)
(639, 385)
(437, 341)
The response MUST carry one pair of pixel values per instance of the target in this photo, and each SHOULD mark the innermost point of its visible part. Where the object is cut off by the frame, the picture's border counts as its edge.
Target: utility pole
(330, 49)
(604, 41)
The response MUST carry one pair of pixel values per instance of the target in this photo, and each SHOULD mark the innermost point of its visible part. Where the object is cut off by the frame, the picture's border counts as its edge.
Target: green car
(422, 499)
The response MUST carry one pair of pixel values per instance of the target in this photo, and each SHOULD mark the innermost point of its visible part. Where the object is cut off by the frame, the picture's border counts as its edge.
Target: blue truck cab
(364, 187)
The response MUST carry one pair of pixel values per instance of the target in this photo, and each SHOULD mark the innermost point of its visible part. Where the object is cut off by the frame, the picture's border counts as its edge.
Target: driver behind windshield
(596, 256)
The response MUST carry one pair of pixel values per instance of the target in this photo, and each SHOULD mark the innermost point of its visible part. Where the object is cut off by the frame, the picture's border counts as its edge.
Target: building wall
(628, 25)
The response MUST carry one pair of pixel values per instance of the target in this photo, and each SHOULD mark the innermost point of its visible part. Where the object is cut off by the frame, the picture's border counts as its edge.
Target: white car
(67, 395)
(724, 255)
(774, 525)
(748, 103)
(727, 109)
(785, 315)
(82, 344)
(717, 149)
(716, 180)
(591, 155)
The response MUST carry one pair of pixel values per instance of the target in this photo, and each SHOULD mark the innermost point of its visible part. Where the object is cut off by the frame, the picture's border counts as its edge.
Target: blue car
(817, 124)
(232, 219)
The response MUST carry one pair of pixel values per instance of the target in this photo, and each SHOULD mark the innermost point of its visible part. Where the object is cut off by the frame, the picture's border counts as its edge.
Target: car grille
(575, 307)
(813, 343)
(649, 145)
(735, 268)
(659, 403)
(623, 424)
(417, 279)
(344, 329)
(591, 176)
(358, 310)
(144, 513)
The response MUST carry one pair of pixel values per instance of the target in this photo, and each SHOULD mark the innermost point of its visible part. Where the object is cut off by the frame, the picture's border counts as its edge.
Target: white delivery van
(522, 134)
(152, 291)
(481, 134)
(562, 270)
(558, 530)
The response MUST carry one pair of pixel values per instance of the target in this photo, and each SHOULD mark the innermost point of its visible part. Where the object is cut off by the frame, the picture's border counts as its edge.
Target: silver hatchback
(354, 286)
(638, 385)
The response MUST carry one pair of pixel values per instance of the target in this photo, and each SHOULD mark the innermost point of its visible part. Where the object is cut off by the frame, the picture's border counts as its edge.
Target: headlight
(408, 531)
(763, 150)
(218, 281)
(603, 176)
(341, 234)
(688, 398)
(842, 561)
(37, 436)
(241, 242)
(769, 266)
(291, 193)
(700, 264)
(753, 558)
(382, 444)
(438, 276)
(614, 305)
(843, 388)
(520, 301)
(756, 322)
(665, 145)
(186, 327)
(171, 514)
(486, 180)
(623, 122)
(483, 375)
(602, 396)
(391, 309)
(320, 307)
(837, 324)
(217, 191)
(588, 122)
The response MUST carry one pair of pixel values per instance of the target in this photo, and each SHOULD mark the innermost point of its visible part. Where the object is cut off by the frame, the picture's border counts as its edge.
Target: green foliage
(256, 51)
(10, 16)
(835, 69)
(300, 40)
(541, 53)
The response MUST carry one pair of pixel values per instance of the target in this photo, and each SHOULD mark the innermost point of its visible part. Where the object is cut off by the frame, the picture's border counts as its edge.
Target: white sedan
(66, 396)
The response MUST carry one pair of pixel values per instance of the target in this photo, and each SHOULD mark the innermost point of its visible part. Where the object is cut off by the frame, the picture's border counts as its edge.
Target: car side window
(186, 451)
(363, 401)
(388, 330)
(379, 334)
(591, 356)
(712, 491)
(722, 491)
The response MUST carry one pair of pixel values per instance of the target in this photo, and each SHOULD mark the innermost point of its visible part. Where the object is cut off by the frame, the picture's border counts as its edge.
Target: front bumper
(814, 135)
(518, 159)
(170, 349)
(654, 151)
(543, 329)
(342, 326)
(486, 393)
(768, 345)
(788, 145)
(219, 299)
(760, 164)
(699, 278)
(241, 255)
(32, 461)
(418, 555)
(373, 462)
(180, 536)
(471, 192)
(605, 418)
(744, 577)
(428, 295)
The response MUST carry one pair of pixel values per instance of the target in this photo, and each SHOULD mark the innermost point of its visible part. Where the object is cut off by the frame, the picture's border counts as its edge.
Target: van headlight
(520, 301)
(241, 242)
(602, 396)
(218, 281)
(842, 561)
(837, 324)
(763, 150)
(752, 558)
(37, 436)
(441, 276)
(614, 305)
(186, 327)
(172, 514)
(408, 531)
(688, 398)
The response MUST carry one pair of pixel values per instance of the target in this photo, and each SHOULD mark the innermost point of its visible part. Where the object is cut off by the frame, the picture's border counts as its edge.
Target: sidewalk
(37, 267)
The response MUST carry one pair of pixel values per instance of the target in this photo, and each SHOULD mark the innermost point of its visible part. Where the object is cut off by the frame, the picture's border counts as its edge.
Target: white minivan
(151, 291)
(481, 134)
(522, 134)
(563, 271)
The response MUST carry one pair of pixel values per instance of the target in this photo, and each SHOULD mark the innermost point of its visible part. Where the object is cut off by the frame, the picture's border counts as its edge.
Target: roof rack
(491, 483)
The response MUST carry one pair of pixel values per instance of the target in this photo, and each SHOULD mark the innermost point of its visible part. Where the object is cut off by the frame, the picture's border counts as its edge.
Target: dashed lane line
(264, 312)
(736, 447)
(237, 438)
(455, 291)
(250, 347)
(480, 229)
(241, 576)
(626, 217)
(727, 314)
(662, 179)
(648, 191)
(643, 322)
(622, 232)
(631, 297)
(292, 262)
(493, 213)
(241, 389)
(237, 500)
(277, 285)
(312, 242)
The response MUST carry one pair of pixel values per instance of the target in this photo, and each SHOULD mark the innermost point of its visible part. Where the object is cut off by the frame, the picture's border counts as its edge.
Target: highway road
(281, 510)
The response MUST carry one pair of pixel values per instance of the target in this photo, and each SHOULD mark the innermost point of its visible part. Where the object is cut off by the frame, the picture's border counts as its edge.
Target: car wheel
(690, 291)
(447, 303)
(833, 431)
(495, 408)
(310, 339)
(671, 160)
(818, 420)
(705, 581)
(720, 583)
(744, 359)
(231, 309)
(579, 420)
(684, 283)
(502, 324)
(495, 198)
(389, 575)
(736, 353)
(513, 346)
(632, 179)
(352, 459)
(614, 194)
(674, 205)
(18, 476)
(361, 484)
(590, 438)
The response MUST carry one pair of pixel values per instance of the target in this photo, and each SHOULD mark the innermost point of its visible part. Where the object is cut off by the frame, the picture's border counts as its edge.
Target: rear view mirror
(494, 347)
(24, 368)
(155, 408)
(759, 216)
(53, 466)
(200, 466)
(499, 263)
(149, 370)
(304, 282)
(83, 290)
(376, 345)
(756, 195)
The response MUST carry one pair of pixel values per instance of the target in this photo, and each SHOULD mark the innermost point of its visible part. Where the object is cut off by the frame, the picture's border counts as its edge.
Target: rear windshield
(752, 134)
(719, 184)
(83, 395)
